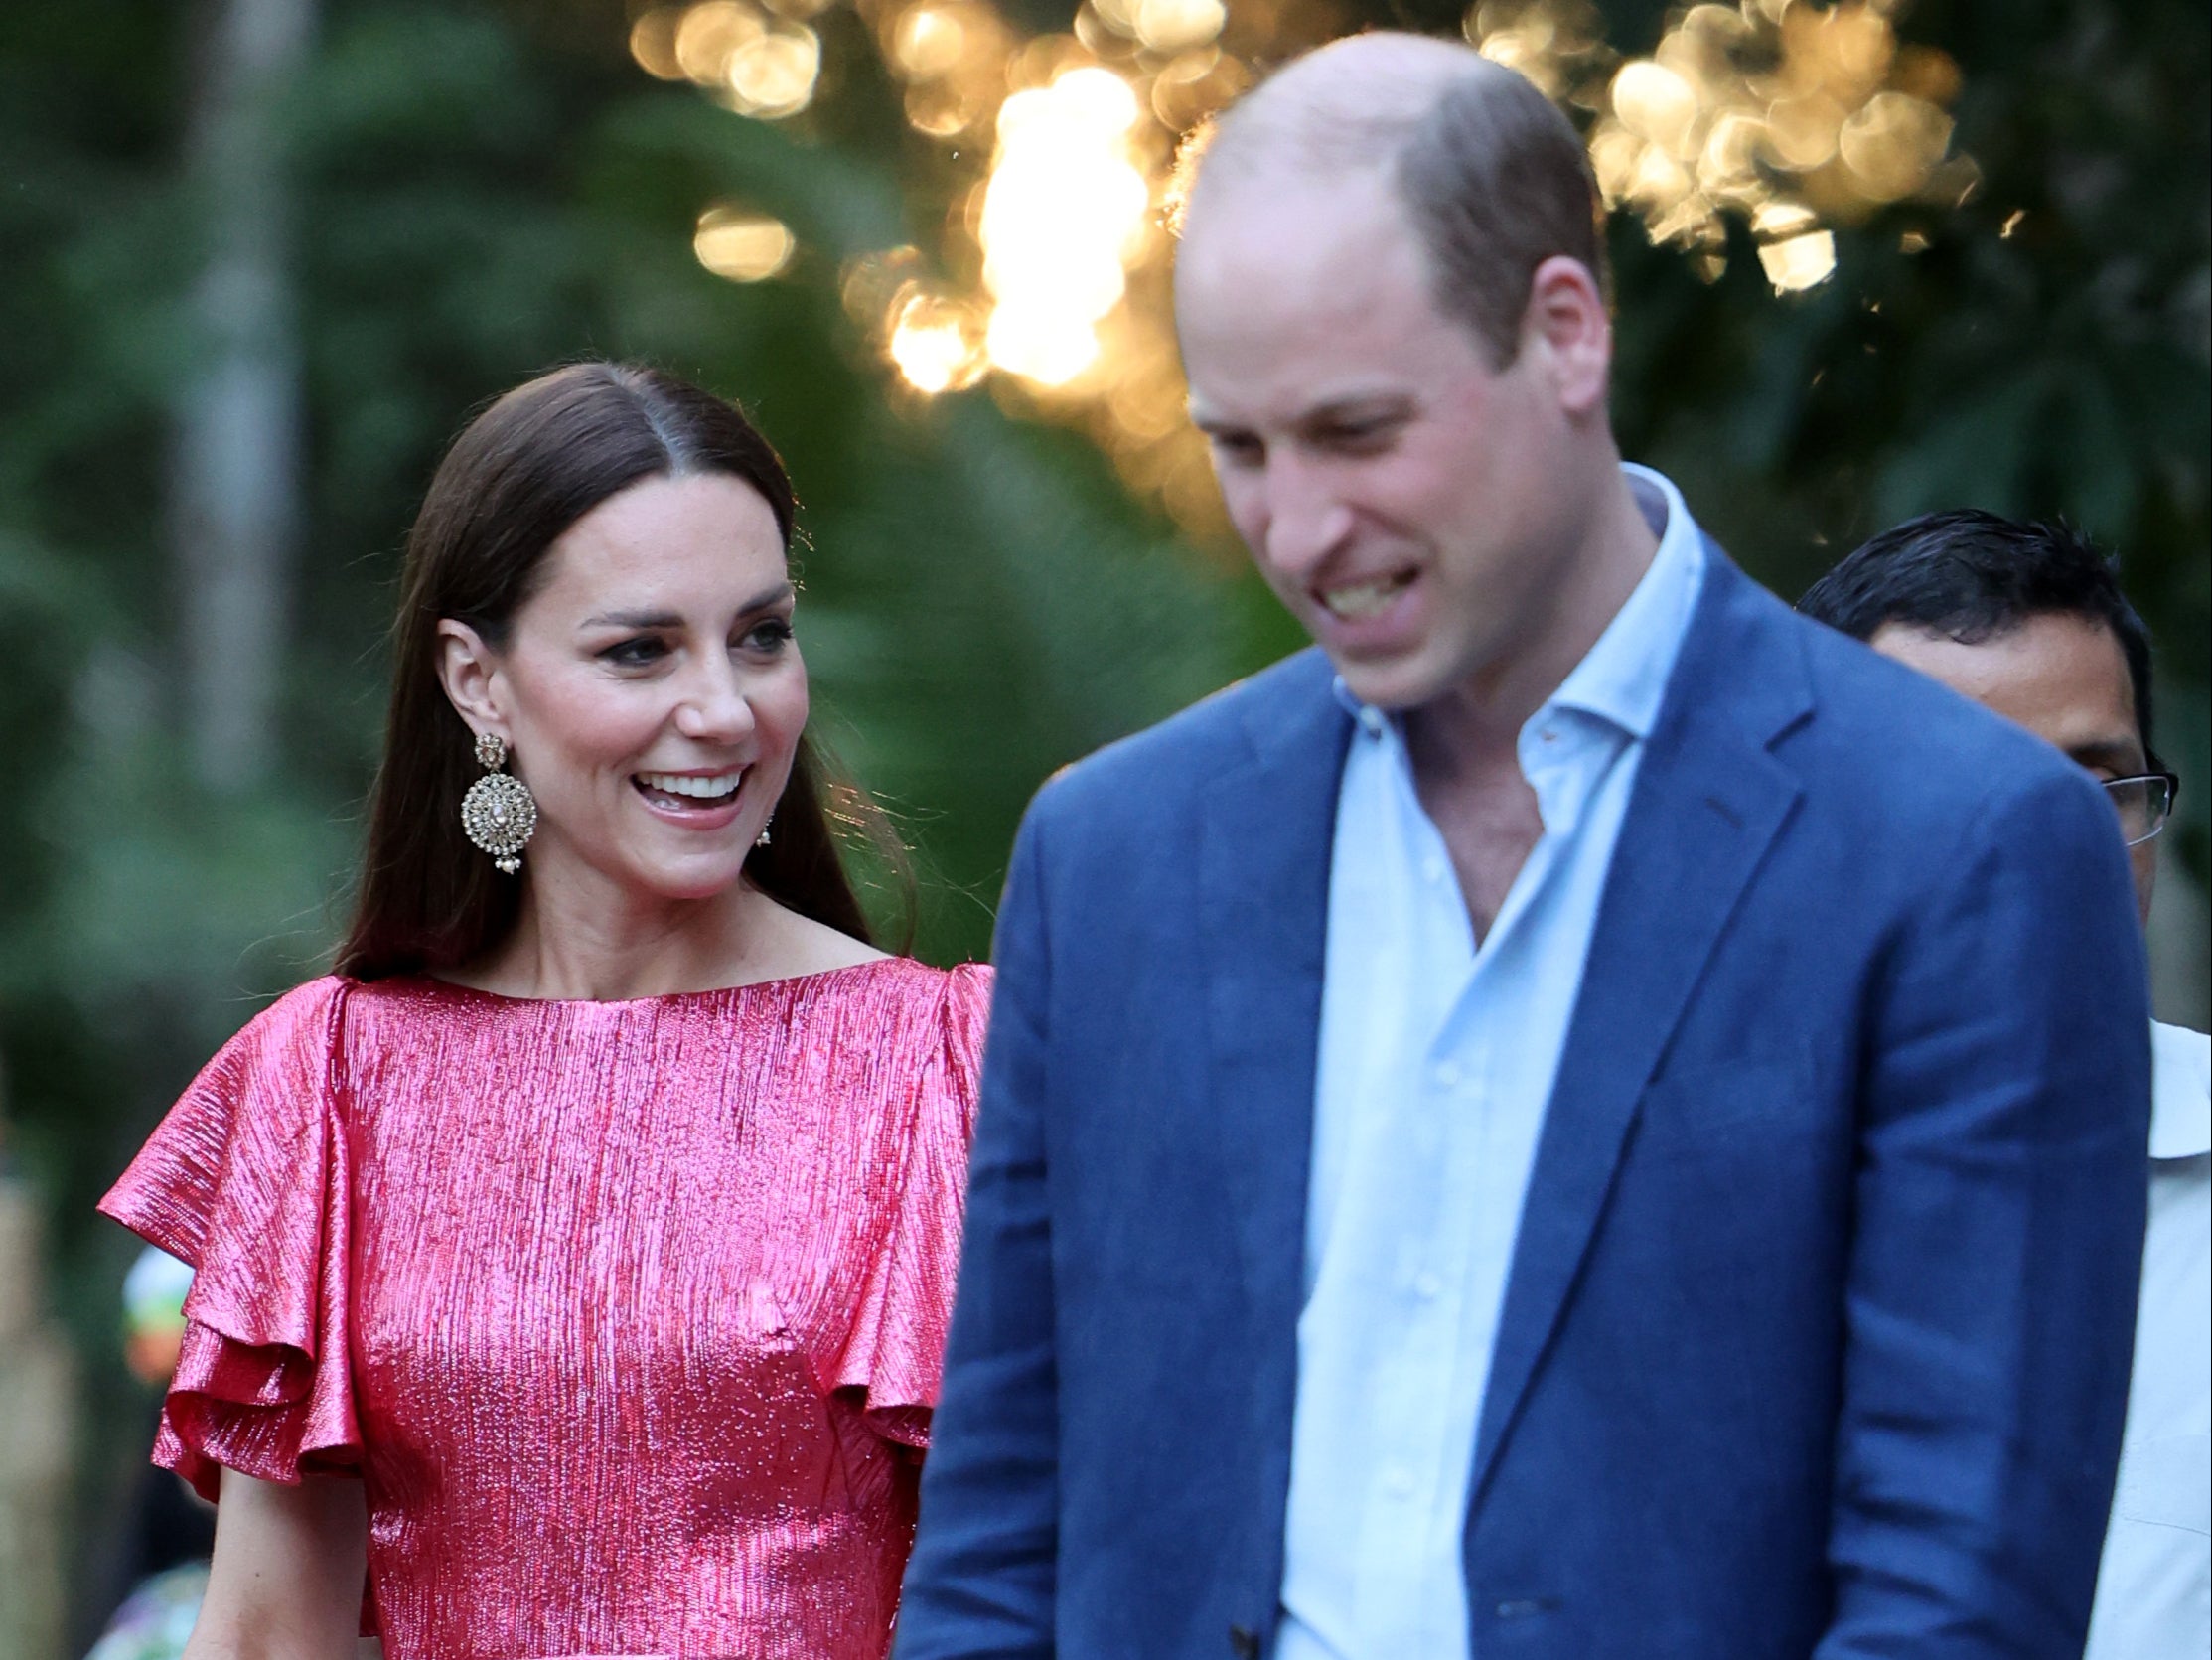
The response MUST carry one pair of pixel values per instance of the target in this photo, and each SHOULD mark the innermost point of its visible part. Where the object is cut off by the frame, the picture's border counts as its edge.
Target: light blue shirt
(1435, 1064)
(2154, 1589)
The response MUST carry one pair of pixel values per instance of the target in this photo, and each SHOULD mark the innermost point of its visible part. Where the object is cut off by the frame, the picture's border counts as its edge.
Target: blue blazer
(1817, 1334)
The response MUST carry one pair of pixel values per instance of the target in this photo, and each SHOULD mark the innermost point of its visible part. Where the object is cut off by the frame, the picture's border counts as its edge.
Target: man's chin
(1394, 685)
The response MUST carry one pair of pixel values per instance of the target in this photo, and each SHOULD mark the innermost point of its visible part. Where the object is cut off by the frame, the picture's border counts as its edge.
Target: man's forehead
(2061, 676)
(1324, 252)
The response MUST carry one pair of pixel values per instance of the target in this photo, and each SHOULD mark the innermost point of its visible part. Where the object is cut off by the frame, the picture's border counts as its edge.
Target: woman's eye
(770, 634)
(635, 653)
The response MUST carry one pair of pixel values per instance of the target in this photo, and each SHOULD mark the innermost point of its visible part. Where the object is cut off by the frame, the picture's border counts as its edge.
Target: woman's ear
(470, 675)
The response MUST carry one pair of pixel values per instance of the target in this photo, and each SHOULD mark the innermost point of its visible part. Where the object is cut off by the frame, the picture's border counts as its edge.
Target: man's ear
(469, 672)
(1568, 322)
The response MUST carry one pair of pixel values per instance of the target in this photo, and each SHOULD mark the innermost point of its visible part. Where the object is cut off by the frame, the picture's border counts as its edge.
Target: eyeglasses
(2143, 802)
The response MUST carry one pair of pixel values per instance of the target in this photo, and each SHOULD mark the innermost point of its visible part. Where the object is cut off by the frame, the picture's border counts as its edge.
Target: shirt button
(1398, 1482)
(1551, 734)
(1370, 722)
(1446, 1075)
(1428, 1287)
(1433, 869)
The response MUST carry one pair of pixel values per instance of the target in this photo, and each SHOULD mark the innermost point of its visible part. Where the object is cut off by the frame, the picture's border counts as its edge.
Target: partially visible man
(2030, 621)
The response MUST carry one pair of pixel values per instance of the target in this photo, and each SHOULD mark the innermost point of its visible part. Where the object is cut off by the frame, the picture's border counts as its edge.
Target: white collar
(2181, 1092)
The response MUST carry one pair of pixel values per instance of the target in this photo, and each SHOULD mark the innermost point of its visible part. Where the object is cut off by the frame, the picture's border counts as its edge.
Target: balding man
(1564, 1122)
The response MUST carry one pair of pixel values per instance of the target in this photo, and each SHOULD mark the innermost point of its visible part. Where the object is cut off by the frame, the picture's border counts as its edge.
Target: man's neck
(1476, 726)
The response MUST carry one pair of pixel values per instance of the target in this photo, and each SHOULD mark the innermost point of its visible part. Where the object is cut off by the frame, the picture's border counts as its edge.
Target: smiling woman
(556, 497)
(599, 1215)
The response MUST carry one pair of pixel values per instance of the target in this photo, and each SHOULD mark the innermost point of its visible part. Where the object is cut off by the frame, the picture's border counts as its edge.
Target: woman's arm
(289, 1567)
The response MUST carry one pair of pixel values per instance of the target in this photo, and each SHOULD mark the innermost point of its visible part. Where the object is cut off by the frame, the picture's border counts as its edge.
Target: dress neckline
(450, 988)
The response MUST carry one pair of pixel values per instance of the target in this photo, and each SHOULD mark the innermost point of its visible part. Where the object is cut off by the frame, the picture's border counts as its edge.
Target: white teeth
(718, 787)
(1355, 601)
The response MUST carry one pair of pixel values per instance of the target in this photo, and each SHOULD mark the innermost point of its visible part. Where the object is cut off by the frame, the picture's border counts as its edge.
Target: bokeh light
(1772, 107)
(936, 342)
(741, 246)
(1050, 282)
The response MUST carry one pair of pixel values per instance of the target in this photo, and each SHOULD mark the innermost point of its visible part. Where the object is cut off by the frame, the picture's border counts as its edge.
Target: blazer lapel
(1268, 830)
(1709, 799)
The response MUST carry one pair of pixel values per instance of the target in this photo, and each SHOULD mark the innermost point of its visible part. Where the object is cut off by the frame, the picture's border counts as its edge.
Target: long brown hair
(520, 474)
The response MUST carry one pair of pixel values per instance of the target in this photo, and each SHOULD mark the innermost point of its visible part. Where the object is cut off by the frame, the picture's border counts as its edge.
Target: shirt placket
(1397, 1582)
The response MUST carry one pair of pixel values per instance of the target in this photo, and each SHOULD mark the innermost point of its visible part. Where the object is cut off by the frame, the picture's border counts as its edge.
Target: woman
(600, 1213)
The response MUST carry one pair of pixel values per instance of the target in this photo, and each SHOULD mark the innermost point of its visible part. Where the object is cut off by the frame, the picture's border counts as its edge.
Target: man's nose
(1307, 520)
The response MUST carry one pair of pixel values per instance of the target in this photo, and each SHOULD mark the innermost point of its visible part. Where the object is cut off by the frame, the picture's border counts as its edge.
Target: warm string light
(1051, 283)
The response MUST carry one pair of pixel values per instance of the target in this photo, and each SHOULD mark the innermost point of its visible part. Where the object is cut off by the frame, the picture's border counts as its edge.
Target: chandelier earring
(761, 841)
(498, 813)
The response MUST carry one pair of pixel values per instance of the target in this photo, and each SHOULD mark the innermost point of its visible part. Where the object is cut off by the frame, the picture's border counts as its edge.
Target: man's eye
(1355, 435)
(634, 652)
(1237, 450)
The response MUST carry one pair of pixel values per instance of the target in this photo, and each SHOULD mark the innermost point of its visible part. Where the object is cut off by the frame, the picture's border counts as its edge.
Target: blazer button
(1244, 1642)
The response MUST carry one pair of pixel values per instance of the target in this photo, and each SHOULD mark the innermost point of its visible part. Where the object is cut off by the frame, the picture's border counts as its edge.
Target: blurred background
(260, 258)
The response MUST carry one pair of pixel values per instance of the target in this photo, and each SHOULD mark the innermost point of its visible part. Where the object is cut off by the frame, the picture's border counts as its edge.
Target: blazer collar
(1709, 799)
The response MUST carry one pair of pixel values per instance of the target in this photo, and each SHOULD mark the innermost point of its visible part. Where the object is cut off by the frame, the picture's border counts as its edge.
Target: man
(2029, 620)
(1563, 1123)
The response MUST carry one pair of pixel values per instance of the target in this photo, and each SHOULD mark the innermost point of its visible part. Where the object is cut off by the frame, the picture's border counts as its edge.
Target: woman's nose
(715, 708)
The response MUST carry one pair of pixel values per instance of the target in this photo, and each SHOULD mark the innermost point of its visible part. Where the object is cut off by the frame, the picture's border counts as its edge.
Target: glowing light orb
(1174, 25)
(1655, 103)
(710, 34)
(1062, 216)
(774, 74)
(1041, 343)
(653, 42)
(934, 343)
(1892, 144)
(742, 247)
(928, 41)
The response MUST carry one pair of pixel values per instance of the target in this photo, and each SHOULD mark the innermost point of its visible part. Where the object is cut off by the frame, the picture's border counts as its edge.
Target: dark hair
(519, 475)
(1973, 576)
(1497, 180)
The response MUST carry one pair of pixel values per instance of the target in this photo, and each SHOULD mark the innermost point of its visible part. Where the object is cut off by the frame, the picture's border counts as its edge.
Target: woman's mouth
(688, 792)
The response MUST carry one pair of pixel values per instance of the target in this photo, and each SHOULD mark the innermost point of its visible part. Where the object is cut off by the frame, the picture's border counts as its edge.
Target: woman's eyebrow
(669, 619)
(769, 596)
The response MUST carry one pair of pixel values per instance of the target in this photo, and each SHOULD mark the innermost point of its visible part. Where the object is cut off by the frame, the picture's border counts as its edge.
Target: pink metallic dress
(628, 1316)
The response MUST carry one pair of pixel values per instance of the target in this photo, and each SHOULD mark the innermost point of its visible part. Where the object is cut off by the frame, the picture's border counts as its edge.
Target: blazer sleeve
(981, 1580)
(2000, 1208)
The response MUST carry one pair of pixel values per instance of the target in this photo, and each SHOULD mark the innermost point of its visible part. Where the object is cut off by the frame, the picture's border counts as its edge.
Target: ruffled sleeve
(245, 1179)
(895, 1355)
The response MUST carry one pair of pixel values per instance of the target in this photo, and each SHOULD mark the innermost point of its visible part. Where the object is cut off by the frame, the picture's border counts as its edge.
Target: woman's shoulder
(919, 1017)
(914, 982)
(315, 1016)
(300, 1024)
